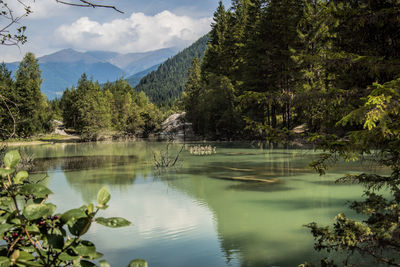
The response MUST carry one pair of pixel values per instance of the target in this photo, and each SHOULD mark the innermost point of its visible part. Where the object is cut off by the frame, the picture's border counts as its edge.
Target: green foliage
(23, 108)
(167, 83)
(31, 102)
(377, 236)
(292, 63)
(35, 235)
(92, 110)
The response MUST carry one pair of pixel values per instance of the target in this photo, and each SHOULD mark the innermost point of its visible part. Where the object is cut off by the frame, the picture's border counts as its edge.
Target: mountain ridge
(166, 84)
(63, 68)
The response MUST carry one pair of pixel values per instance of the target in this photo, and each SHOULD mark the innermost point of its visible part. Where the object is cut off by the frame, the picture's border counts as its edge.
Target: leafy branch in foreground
(377, 237)
(35, 235)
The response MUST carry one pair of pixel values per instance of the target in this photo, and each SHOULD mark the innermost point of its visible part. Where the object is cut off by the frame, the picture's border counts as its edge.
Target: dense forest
(273, 65)
(165, 85)
(89, 109)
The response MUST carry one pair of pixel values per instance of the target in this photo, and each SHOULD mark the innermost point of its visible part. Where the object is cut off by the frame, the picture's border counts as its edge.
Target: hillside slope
(166, 84)
(135, 78)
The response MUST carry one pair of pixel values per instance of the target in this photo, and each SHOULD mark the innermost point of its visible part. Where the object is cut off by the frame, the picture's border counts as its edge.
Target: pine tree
(191, 97)
(215, 59)
(8, 108)
(316, 100)
(94, 113)
(31, 102)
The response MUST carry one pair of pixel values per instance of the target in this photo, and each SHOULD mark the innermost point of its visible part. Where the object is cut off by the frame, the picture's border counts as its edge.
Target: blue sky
(145, 25)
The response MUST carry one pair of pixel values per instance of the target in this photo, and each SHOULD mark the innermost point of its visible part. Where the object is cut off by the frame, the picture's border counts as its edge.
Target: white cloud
(137, 33)
(40, 9)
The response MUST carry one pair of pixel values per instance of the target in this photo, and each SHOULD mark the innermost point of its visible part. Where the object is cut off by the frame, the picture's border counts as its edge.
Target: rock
(58, 127)
(176, 127)
(300, 129)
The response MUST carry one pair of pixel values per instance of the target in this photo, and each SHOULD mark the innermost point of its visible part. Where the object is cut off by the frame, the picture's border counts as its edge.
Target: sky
(145, 25)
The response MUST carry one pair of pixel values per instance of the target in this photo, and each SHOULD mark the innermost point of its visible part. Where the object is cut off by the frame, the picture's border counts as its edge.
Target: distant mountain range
(62, 69)
(166, 84)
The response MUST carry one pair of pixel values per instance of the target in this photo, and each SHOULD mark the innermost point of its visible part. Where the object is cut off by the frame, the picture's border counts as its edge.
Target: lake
(193, 214)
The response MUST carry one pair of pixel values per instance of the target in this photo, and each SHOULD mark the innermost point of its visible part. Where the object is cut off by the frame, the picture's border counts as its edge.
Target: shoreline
(42, 140)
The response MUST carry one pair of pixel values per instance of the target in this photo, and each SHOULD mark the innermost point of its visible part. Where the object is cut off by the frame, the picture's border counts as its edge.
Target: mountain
(136, 62)
(135, 78)
(60, 75)
(166, 84)
(63, 68)
(69, 56)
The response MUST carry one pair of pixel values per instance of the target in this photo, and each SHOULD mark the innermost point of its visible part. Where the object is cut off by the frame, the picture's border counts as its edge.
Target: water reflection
(73, 163)
(192, 215)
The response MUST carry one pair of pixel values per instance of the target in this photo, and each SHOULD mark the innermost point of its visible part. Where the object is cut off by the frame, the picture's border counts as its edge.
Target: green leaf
(5, 227)
(20, 177)
(4, 217)
(138, 263)
(6, 201)
(15, 221)
(23, 255)
(5, 172)
(104, 263)
(55, 241)
(32, 229)
(85, 249)
(80, 227)
(4, 261)
(36, 211)
(11, 159)
(103, 197)
(67, 257)
(84, 263)
(90, 208)
(96, 256)
(113, 222)
(71, 216)
(37, 190)
(28, 263)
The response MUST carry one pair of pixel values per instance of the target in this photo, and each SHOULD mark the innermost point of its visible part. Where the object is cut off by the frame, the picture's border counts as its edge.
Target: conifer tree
(8, 108)
(31, 102)
(191, 97)
(94, 110)
(215, 59)
(316, 99)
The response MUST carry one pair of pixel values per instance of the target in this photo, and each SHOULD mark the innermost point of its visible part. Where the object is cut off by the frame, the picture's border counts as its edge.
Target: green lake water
(191, 215)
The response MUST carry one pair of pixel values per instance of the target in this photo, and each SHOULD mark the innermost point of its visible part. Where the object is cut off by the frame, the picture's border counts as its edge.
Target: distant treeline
(92, 109)
(89, 109)
(272, 65)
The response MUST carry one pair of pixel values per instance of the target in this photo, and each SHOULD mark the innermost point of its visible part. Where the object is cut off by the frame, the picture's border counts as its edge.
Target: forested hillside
(134, 79)
(166, 84)
(272, 65)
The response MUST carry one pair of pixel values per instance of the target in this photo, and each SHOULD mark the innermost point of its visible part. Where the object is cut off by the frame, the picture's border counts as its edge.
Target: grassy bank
(42, 139)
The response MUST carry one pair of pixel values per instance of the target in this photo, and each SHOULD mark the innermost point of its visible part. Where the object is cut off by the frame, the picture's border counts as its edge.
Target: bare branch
(4, 99)
(10, 36)
(84, 3)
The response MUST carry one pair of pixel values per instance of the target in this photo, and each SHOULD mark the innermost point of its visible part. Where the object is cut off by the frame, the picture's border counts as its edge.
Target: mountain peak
(69, 55)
